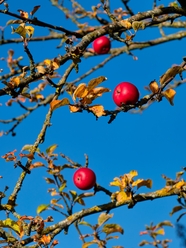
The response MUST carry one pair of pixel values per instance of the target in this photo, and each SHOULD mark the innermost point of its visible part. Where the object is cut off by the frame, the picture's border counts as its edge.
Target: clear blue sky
(153, 143)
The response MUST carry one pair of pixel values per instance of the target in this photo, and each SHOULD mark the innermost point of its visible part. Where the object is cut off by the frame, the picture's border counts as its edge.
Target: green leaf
(61, 188)
(84, 223)
(51, 149)
(111, 228)
(103, 218)
(29, 148)
(42, 208)
(73, 194)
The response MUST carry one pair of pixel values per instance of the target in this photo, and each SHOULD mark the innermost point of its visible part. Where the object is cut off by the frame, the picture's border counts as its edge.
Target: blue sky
(153, 143)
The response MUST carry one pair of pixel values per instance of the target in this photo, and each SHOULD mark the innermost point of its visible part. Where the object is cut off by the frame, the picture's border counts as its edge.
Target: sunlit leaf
(164, 223)
(73, 194)
(112, 228)
(169, 95)
(41, 69)
(42, 208)
(98, 110)
(103, 217)
(59, 103)
(20, 30)
(29, 148)
(126, 24)
(170, 74)
(85, 223)
(29, 31)
(141, 182)
(45, 239)
(74, 109)
(160, 232)
(10, 224)
(51, 149)
(80, 92)
(63, 185)
(154, 87)
(123, 196)
(55, 64)
(94, 82)
(87, 244)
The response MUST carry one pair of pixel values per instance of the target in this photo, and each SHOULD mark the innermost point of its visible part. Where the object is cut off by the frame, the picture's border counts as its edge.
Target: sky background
(153, 143)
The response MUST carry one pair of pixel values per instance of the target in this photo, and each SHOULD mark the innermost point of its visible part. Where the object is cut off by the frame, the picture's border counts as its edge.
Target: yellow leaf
(98, 110)
(103, 217)
(14, 81)
(99, 91)
(20, 30)
(29, 31)
(180, 184)
(131, 175)
(116, 182)
(126, 24)
(55, 64)
(81, 91)
(10, 224)
(74, 109)
(111, 228)
(154, 87)
(170, 73)
(42, 208)
(94, 82)
(141, 182)
(45, 239)
(59, 103)
(160, 232)
(169, 95)
(123, 196)
(87, 244)
(47, 62)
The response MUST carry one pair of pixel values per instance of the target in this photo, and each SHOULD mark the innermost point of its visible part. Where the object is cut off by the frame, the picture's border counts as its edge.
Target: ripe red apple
(101, 45)
(125, 93)
(84, 178)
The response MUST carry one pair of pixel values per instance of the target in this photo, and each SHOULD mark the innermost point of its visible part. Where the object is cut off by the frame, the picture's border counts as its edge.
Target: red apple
(125, 93)
(84, 178)
(101, 45)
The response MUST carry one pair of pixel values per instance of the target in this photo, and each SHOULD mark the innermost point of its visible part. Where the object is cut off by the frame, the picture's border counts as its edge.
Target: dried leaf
(23, 13)
(45, 239)
(141, 182)
(98, 110)
(154, 87)
(170, 73)
(144, 242)
(111, 228)
(169, 95)
(74, 109)
(41, 69)
(55, 64)
(123, 196)
(85, 223)
(125, 24)
(103, 217)
(176, 209)
(94, 82)
(87, 244)
(59, 103)
(164, 223)
(49, 180)
(73, 194)
(34, 10)
(136, 25)
(81, 91)
(42, 208)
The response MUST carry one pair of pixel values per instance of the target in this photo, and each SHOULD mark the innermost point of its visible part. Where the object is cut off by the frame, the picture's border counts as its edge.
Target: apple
(102, 45)
(84, 178)
(125, 93)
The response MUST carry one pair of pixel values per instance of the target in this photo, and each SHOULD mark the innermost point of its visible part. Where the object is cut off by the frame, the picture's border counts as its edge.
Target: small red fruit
(101, 45)
(125, 93)
(84, 178)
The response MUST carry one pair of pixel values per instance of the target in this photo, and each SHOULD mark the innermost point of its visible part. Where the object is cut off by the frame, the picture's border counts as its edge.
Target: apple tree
(68, 74)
